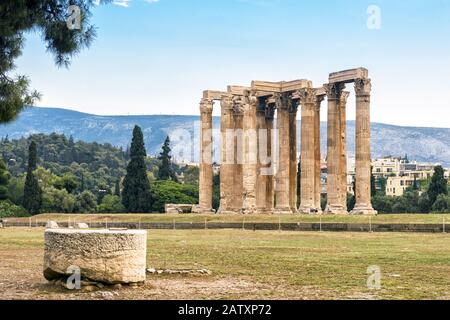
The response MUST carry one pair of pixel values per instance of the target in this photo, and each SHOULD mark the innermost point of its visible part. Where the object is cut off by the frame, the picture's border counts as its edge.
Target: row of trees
(101, 182)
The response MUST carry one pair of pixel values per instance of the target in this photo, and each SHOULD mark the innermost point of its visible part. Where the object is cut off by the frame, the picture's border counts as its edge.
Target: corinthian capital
(206, 106)
(226, 103)
(363, 87)
(344, 98)
(334, 90)
(307, 96)
(239, 105)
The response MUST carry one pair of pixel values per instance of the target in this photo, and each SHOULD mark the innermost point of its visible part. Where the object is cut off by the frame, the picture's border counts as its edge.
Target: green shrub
(165, 192)
(111, 204)
(442, 204)
(10, 210)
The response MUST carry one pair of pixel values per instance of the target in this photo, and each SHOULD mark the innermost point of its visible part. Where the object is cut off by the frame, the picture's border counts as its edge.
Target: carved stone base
(264, 211)
(283, 211)
(227, 211)
(335, 210)
(309, 210)
(200, 210)
(364, 210)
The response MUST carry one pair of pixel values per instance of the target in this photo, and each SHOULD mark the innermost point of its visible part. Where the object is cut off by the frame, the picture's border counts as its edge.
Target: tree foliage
(32, 197)
(438, 185)
(165, 191)
(5, 176)
(166, 171)
(136, 196)
(49, 18)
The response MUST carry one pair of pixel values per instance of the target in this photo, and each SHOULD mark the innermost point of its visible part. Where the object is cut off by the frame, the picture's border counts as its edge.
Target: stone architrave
(282, 188)
(363, 204)
(307, 181)
(334, 205)
(206, 157)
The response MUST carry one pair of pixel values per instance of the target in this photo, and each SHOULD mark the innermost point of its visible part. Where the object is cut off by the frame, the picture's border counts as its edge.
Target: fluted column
(307, 183)
(282, 190)
(317, 156)
(227, 155)
(363, 153)
(293, 161)
(334, 205)
(270, 167)
(238, 182)
(250, 155)
(343, 163)
(264, 157)
(206, 157)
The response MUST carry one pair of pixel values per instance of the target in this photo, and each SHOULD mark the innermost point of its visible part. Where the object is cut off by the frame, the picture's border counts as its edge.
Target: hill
(421, 144)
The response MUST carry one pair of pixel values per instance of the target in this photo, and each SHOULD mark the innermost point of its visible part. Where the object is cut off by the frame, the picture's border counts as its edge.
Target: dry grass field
(253, 265)
(382, 218)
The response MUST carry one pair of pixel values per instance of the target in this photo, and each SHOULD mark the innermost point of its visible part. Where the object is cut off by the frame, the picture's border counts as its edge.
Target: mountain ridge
(424, 144)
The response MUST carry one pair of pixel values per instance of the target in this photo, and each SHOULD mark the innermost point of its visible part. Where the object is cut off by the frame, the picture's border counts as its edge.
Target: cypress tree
(4, 180)
(32, 195)
(136, 196)
(165, 170)
(438, 185)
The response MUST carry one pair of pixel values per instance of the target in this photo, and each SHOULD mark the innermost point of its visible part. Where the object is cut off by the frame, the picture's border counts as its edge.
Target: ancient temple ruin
(252, 179)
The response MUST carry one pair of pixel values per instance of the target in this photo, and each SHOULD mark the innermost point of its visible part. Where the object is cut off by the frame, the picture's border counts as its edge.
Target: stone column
(293, 161)
(343, 163)
(307, 183)
(334, 205)
(227, 155)
(270, 170)
(283, 205)
(238, 176)
(363, 154)
(206, 157)
(250, 155)
(317, 156)
(263, 157)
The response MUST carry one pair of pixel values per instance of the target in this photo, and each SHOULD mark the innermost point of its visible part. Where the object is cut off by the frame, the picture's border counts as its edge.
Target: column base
(250, 211)
(200, 210)
(335, 210)
(225, 211)
(364, 210)
(309, 210)
(264, 211)
(283, 211)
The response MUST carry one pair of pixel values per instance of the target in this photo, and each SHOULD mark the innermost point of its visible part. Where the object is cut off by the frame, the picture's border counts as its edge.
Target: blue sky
(157, 57)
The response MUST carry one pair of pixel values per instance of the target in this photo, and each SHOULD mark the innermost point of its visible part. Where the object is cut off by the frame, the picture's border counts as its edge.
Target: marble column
(238, 176)
(363, 204)
(250, 155)
(227, 155)
(293, 161)
(270, 168)
(317, 156)
(334, 205)
(307, 181)
(282, 190)
(263, 157)
(206, 158)
(343, 154)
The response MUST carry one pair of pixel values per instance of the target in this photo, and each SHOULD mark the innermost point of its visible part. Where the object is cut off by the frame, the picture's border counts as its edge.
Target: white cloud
(126, 3)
